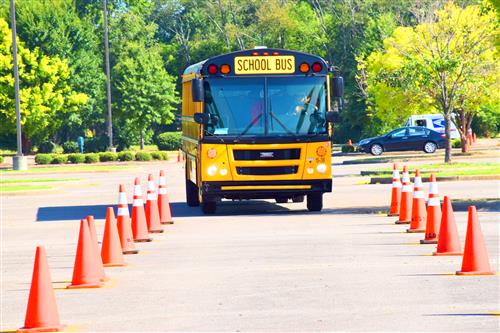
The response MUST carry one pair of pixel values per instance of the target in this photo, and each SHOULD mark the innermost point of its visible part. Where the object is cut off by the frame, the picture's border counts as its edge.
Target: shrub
(169, 141)
(95, 145)
(108, 156)
(126, 156)
(59, 159)
(47, 147)
(43, 158)
(76, 158)
(70, 147)
(1, 159)
(348, 148)
(457, 143)
(159, 155)
(91, 158)
(142, 156)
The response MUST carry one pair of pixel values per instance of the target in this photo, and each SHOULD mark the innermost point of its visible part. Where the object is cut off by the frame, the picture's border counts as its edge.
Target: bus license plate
(264, 65)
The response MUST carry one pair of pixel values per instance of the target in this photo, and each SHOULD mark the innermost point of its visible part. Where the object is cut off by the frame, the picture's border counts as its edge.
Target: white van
(434, 122)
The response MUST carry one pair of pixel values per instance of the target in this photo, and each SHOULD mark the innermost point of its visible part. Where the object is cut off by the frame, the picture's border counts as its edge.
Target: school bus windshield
(270, 106)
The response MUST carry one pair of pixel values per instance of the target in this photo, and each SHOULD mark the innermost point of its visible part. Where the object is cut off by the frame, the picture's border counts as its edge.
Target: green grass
(78, 168)
(22, 188)
(36, 180)
(146, 148)
(450, 169)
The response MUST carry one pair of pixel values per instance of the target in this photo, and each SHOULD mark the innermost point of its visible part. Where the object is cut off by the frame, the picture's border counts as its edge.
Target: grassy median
(447, 169)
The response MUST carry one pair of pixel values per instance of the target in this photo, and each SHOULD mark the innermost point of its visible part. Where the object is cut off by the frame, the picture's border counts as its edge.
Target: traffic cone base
(42, 329)
(143, 240)
(170, 222)
(447, 254)
(475, 273)
(413, 231)
(402, 222)
(428, 241)
(85, 285)
(159, 231)
(115, 265)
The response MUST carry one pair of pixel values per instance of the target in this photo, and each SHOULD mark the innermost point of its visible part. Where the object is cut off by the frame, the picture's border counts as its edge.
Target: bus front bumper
(264, 189)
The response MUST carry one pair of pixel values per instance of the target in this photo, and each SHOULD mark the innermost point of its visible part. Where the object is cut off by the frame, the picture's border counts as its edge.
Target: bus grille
(267, 171)
(266, 154)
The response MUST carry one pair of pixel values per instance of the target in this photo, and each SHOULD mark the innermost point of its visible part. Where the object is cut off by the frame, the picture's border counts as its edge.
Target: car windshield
(266, 106)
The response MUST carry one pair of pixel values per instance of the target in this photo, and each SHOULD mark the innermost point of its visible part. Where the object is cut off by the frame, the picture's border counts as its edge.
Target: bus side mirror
(201, 118)
(332, 117)
(338, 86)
(197, 90)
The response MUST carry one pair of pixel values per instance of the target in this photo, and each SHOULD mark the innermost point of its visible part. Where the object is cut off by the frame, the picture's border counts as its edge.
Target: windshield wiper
(249, 126)
(276, 118)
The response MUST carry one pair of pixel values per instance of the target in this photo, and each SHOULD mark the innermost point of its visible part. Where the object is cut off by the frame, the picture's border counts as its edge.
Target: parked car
(401, 139)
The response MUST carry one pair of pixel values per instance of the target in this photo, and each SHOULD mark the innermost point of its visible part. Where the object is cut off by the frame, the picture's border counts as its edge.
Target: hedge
(1, 159)
(457, 143)
(76, 158)
(126, 156)
(91, 158)
(70, 147)
(169, 141)
(348, 149)
(59, 159)
(43, 158)
(108, 156)
(159, 155)
(142, 156)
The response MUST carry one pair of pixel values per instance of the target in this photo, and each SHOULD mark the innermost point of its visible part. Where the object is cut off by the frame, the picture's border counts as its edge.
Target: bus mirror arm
(201, 118)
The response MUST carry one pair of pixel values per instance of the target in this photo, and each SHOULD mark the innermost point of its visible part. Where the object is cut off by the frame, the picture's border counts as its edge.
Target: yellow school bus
(257, 124)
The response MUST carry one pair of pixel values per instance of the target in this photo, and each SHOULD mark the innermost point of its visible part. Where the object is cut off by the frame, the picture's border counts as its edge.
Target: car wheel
(208, 207)
(298, 198)
(376, 149)
(281, 200)
(315, 202)
(430, 147)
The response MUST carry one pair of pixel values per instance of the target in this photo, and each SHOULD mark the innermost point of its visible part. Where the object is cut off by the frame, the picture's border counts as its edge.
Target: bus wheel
(298, 198)
(208, 207)
(315, 202)
(192, 194)
(281, 200)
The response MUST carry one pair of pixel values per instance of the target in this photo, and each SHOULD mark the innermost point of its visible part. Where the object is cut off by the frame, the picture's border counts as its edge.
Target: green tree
(448, 62)
(45, 92)
(143, 92)
(57, 30)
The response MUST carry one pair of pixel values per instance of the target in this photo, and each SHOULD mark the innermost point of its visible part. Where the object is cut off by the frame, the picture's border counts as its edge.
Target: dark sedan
(401, 139)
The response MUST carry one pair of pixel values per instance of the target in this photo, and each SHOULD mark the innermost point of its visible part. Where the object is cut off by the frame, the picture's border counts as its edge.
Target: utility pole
(19, 161)
(108, 75)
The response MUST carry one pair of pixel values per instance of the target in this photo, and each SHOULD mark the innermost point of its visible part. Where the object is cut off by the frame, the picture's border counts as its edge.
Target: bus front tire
(281, 200)
(315, 202)
(208, 207)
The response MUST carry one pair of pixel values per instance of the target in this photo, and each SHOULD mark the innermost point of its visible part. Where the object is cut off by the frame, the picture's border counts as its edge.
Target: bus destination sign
(264, 65)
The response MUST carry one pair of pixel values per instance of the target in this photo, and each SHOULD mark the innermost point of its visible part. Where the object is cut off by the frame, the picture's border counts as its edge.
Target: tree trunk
(142, 140)
(447, 131)
(464, 142)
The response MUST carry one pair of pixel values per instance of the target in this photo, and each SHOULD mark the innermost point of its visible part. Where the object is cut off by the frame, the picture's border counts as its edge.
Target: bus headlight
(321, 168)
(212, 170)
(223, 172)
(310, 171)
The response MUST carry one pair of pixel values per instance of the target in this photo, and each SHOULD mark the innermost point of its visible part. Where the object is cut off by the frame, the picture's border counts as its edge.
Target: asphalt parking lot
(254, 266)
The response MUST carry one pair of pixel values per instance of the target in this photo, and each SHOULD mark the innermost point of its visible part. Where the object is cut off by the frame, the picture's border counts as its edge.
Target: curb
(388, 180)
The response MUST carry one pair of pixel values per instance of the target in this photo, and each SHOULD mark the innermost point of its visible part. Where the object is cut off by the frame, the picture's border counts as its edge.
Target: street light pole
(19, 161)
(108, 74)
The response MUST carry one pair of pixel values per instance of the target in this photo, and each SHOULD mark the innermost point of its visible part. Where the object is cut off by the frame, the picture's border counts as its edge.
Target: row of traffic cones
(439, 226)
(118, 239)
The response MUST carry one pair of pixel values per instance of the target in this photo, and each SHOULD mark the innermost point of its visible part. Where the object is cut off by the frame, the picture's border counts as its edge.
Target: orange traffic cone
(152, 212)
(448, 242)
(475, 260)
(41, 313)
(163, 201)
(473, 137)
(123, 224)
(179, 156)
(111, 251)
(86, 273)
(469, 139)
(139, 224)
(93, 237)
(418, 213)
(406, 198)
(433, 214)
(396, 192)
